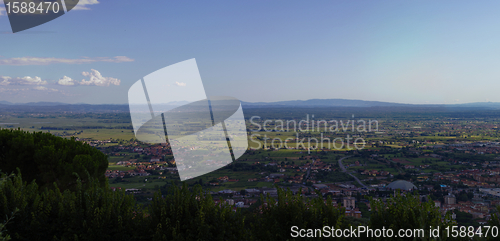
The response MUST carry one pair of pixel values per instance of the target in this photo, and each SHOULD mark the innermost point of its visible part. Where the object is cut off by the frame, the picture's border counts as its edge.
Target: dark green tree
(46, 159)
(186, 214)
(279, 215)
(407, 212)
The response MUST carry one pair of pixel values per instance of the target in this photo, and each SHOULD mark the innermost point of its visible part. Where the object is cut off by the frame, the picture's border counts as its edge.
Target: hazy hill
(326, 103)
(51, 106)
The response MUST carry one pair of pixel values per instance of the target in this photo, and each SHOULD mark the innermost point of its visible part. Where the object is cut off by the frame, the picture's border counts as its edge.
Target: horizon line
(257, 102)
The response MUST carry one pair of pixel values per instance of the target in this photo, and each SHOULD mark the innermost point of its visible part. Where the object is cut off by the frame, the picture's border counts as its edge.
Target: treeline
(47, 158)
(95, 212)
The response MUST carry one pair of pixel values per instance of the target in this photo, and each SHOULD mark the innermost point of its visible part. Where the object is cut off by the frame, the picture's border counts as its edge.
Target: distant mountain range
(173, 103)
(325, 103)
(364, 103)
(34, 103)
(291, 103)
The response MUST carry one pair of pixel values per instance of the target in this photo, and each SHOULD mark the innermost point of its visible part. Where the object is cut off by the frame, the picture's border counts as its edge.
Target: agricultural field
(401, 138)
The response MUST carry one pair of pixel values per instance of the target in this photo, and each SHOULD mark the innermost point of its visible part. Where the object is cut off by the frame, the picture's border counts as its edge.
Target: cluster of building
(480, 208)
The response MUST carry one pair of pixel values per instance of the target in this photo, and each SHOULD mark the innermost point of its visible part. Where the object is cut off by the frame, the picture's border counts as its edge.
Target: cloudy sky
(396, 51)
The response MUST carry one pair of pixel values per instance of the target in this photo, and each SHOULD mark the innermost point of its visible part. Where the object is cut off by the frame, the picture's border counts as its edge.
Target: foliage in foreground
(187, 214)
(47, 158)
(278, 216)
(408, 213)
(94, 213)
(98, 213)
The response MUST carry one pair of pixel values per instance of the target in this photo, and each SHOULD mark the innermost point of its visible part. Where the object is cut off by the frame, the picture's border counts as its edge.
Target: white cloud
(13, 91)
(2, 8)
(180, 84)
(27, 80)
(123, 59)
(82, 4)
(46, 61)
(30, 81)
(23, 90)
(95, 78)
(40, 88)
(5, 80)
(43, 88)
(67, 81)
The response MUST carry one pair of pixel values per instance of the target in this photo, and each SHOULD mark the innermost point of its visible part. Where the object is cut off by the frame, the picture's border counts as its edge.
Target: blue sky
(397, 51)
